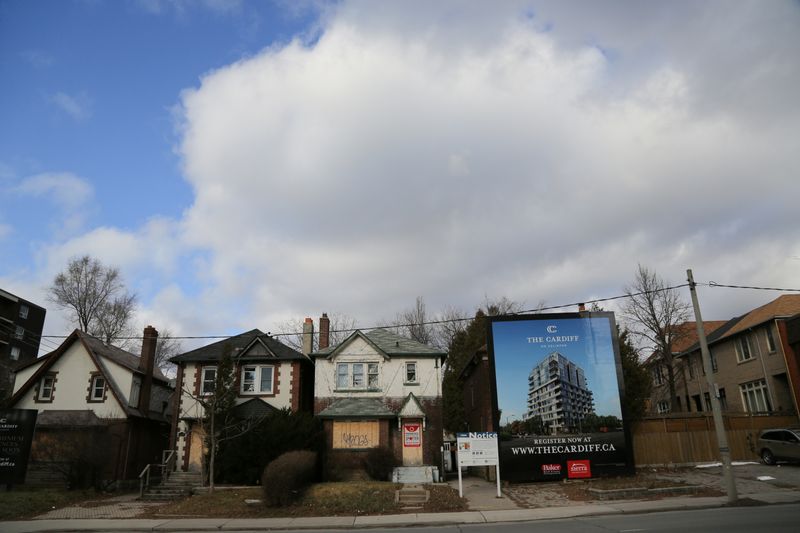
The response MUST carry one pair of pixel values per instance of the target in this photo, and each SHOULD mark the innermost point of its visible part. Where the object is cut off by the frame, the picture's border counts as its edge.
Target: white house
(97, 404)
(378, 389)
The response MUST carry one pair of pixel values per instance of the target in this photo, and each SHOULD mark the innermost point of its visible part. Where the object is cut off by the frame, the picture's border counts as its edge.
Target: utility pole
(728, 479)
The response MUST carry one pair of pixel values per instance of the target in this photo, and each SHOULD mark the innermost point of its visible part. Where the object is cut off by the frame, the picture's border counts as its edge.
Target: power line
(466, 319)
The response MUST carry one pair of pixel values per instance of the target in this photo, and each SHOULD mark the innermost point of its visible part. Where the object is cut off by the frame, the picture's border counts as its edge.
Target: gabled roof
(385, 343)
(686, 333)
(357, 408)
(254, 408)
(101, 354)
(248, 346)
(783, 306)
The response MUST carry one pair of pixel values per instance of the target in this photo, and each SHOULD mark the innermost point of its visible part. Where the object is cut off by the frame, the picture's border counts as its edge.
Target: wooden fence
(690, 438)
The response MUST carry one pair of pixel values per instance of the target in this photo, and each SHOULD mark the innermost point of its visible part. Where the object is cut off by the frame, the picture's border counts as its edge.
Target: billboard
(558, 385)
(16, 437)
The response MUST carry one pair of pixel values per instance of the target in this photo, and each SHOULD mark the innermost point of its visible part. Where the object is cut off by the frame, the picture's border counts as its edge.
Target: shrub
(285, 478)
(379, 463)
(242, 460)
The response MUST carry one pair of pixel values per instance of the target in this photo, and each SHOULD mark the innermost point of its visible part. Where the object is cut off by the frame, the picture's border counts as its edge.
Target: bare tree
(167, 347)
(414, 323)
(654, 312)
(96, 297)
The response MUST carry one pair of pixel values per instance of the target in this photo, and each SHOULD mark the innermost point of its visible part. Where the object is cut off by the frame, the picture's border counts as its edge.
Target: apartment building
(558, 393)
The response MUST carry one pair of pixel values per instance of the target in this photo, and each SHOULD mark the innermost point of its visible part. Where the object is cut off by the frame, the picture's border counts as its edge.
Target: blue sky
(246, 164)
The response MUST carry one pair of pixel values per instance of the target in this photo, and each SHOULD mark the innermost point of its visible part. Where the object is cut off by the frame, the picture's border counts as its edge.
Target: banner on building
(558, 384)
(16, 437)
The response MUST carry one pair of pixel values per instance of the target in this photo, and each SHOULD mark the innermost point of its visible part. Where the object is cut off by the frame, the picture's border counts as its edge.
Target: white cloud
(64, 188)
(5, 231)
(460, 152)
(78, 107)
(415, 152)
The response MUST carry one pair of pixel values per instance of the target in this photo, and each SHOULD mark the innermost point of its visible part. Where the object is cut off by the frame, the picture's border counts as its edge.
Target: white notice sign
(477, 449)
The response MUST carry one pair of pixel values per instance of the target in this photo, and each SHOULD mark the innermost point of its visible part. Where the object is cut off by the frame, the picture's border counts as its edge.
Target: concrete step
(415, 474)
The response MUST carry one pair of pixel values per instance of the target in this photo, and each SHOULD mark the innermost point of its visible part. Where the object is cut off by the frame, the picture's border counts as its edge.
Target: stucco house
(379, 389)
(103, 412)
(269, 376)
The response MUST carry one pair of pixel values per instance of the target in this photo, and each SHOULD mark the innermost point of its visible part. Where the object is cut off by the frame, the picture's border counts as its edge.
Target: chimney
(308, 336)
(324, 331)
(146, 364)
(581, 308)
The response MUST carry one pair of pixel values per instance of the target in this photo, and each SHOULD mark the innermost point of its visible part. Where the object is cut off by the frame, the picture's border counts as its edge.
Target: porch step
(412, 496)
(177, 485)
(415, 474)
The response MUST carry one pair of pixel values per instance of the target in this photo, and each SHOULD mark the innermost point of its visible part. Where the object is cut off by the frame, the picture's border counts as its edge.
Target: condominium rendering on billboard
(557, 393)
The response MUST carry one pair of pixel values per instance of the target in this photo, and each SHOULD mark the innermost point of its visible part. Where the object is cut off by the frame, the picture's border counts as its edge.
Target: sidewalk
(482, 495)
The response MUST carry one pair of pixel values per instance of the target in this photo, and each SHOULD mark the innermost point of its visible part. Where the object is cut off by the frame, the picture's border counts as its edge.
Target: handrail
(167, 465)
(144, 480)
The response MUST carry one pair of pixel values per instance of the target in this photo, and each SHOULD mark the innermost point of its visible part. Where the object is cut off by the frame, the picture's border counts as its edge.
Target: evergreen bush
(379, 463)
(286, 477)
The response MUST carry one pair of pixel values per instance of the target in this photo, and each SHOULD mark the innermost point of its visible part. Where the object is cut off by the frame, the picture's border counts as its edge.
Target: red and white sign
(411, 435)
(551, 469)
(578, 469)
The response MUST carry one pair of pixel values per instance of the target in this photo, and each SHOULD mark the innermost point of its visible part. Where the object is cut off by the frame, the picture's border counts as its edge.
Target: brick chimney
(581, 308)
(324, 331)
(146, 364)
(308, 336)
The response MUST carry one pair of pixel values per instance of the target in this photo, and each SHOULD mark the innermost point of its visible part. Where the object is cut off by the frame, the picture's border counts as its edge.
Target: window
(658, 375)
(136, 387)
(352, 376)
(770, 340)
(723, 400)
(257, 379)
(208, 380)
(691, 367)
(23, 311)
(98, 389)
(20, 332)
(714, 366)
(743, 352)
(707, 398)
(663, 407)
(14, 353)
(46, 388)
(754, 396)
(411, 372)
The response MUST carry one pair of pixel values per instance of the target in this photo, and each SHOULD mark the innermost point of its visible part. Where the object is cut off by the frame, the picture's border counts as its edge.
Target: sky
(248, 164)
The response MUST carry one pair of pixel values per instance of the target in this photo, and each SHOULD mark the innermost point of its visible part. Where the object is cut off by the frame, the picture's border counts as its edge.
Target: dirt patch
(642, 486)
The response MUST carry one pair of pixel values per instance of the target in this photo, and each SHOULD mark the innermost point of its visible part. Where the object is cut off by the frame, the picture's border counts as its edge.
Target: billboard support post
(719, 426)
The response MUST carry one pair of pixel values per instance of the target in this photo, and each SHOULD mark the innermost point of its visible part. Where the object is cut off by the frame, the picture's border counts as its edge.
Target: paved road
(772, 518)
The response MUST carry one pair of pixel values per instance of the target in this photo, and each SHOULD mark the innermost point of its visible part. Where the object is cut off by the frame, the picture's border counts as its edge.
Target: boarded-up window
(356, 435)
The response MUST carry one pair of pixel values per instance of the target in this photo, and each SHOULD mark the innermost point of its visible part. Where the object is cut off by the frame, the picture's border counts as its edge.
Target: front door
(412, 442)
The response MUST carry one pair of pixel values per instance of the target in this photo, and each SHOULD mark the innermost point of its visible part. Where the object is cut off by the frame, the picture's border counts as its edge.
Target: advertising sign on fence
(16, 436)
(558, 384)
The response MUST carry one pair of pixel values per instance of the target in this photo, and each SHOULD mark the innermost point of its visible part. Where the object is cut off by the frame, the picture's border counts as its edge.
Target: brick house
(100, 408)
(379, 389)
(479, 400)
(754, 363)
(269, 376)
